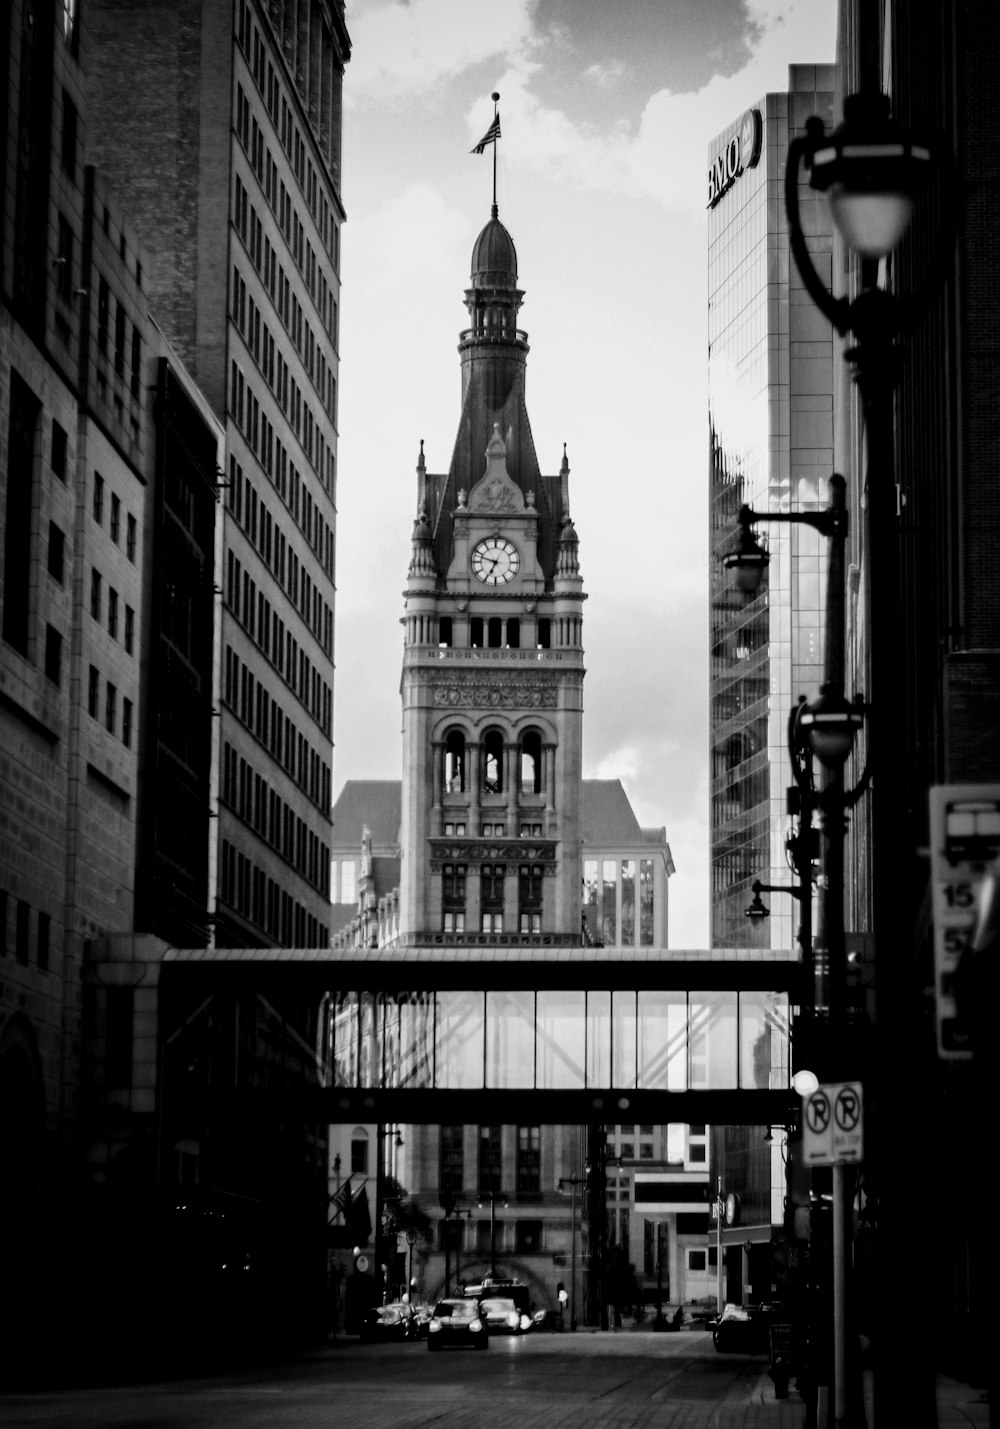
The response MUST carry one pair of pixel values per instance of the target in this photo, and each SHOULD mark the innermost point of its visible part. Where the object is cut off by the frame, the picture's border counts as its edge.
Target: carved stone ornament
(483, 694)
(496, 491)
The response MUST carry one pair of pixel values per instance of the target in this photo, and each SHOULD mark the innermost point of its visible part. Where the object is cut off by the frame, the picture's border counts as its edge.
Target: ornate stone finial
(529, 500)
(564, 469)
(462, 497)
(420, 458)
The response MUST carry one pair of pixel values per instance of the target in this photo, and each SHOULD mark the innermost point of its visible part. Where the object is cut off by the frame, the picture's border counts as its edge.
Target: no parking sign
(833, 1125)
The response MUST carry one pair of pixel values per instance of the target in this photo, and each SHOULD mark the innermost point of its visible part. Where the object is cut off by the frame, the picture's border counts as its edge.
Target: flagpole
(496, 110)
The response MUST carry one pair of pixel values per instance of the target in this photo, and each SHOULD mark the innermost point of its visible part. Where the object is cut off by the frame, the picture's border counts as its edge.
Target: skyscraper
(771, 447)
(230, 166)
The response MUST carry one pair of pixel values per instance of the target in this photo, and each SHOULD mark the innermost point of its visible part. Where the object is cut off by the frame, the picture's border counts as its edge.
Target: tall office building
(230, 167)
(771, 447)
(108, 485)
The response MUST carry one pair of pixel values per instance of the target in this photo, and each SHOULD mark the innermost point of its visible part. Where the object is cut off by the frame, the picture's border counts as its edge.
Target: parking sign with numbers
(965, 851)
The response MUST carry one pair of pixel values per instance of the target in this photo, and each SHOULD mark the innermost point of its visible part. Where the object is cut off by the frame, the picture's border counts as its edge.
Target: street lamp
(494, 1197)
(871, 170)
(572, 1182)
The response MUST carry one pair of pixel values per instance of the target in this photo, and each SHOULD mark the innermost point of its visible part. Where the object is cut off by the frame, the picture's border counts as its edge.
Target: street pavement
(639, 1380)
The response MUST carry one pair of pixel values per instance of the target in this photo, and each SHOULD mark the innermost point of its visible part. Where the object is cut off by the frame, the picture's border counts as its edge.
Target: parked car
(744, 1329)
(503, 1317)
(547, 1321)
(457, 1322)
(394, 1321)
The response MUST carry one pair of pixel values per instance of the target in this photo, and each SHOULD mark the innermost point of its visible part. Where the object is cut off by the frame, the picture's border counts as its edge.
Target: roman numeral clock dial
(495, 560)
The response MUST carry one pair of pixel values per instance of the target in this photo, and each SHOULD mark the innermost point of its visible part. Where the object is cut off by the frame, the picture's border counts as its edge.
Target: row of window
(292, 574)
(256, 426)
(20, 944)
(492, 893)
(493, 776)
(114, 516)
(246, 506)
(269, 358)
(260, 806)
(263, 901)
(257, 708)
(108, 709)
(527, 830)
(495, 633)
(609, 885)
(268, 631)
(119, 612)
(527, 1172)
(266, 79)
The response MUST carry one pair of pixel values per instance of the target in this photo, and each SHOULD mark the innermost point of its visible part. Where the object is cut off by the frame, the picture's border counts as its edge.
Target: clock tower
(492, 680)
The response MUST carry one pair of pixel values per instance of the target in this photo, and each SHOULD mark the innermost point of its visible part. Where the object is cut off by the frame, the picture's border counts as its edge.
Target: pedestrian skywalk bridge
(447, 1034)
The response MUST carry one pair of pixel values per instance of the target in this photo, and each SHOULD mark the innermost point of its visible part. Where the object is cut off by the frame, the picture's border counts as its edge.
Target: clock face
(495, 560)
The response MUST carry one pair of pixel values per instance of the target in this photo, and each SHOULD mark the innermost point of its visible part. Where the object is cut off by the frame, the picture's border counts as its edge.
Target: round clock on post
(495, 560)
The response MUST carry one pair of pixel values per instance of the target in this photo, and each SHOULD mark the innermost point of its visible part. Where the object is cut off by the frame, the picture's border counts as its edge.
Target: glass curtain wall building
(771, 447)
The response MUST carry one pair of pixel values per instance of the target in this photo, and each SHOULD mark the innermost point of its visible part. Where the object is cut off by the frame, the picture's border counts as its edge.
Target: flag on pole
(342, 1199)
(490, 137)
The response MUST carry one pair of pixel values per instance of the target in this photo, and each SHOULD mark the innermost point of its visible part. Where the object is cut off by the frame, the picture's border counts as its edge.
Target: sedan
(457, 1322)
(503, 1317)
(389, 1322)
(743, 1329)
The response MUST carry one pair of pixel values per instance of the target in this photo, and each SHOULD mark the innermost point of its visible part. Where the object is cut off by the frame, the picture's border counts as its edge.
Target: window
(58, 451)
(116, 516)
(93, 691)
(492, 923)
(120, 340)
(359, 1152)
(110, 707)
(98, 497)
(112, 613)
(491, 888)
(696, 1259)
(531, 762)
(445, 631)
(64, 261)
(130, 537)
(53, 654)
(22, 931)
(493, 762)
(544, 633)
(103, 309)
(531, 831)
(453, 922)
(118, 1059)
(454, 762)
(529, 1142)
(452, 1159)
(489, 1158)
(127, 723)
(529, 897)
(57, 548)
(42, 949)
(476, 632)
(493, 831)
(129, 629)
(68, 151)
(452, 829)
(95, 594)
(527, 1237)
(453, 880)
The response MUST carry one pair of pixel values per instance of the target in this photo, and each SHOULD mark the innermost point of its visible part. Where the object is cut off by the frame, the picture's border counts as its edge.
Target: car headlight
(433, 1325)
(512, 1320)
(525, 1322)
(475, 1326)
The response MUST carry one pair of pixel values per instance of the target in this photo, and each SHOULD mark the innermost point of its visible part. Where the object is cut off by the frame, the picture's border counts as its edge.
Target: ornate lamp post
(871, 171)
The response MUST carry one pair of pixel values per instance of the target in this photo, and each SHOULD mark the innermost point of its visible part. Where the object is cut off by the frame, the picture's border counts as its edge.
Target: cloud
(606, 75)
(398, 50)
(663, 157)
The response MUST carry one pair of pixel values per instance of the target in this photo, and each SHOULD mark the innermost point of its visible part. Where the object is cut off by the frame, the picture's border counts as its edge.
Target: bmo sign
(742, 152)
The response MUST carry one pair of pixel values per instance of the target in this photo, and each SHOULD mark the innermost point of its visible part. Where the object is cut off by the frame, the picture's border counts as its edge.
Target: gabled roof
(606, 814)
(367, 803)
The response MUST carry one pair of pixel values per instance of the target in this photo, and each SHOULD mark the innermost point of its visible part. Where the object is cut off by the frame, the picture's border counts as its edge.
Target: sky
(607, 111)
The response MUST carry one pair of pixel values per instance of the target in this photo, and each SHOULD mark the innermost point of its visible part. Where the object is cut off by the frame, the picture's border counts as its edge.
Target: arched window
(454, 762)
(493, 762)
(531, 762)
(359, 1152)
